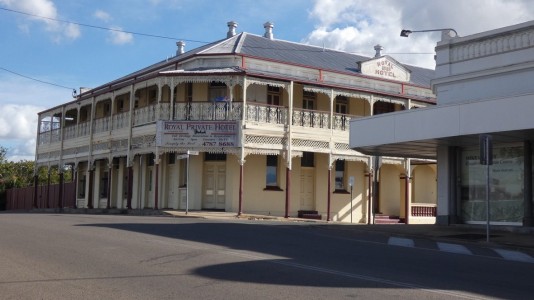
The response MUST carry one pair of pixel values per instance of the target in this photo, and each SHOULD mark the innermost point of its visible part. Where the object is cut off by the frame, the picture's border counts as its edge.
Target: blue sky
(76, 56)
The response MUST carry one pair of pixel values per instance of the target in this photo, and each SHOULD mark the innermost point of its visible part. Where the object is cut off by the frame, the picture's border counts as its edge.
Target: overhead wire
(39, 80)
(102, 27)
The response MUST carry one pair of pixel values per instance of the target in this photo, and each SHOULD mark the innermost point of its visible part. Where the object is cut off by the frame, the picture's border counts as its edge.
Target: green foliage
(20, 174)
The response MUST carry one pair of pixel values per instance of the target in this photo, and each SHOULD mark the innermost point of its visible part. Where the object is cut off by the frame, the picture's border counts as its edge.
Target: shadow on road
(330, 260)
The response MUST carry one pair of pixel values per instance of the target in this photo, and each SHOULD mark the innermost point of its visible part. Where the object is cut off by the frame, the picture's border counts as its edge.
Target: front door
(214, 191)
(306, 189)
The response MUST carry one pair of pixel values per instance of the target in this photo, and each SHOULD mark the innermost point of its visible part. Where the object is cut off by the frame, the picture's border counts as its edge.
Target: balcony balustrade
(203, 111)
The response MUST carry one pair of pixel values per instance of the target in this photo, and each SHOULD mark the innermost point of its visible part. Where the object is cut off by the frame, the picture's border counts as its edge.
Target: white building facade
(245, 124)
(484, 85)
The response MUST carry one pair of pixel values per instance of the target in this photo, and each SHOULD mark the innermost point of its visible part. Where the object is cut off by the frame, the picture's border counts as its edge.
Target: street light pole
(407, 32)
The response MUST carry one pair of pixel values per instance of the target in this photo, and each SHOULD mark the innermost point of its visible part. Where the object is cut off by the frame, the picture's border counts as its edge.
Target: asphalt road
(128, 257)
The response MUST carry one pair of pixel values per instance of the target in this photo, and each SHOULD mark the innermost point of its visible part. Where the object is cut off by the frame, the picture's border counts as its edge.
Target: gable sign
(385, 67)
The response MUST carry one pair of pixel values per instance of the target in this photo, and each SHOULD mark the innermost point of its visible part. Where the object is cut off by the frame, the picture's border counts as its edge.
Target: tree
(21, 173)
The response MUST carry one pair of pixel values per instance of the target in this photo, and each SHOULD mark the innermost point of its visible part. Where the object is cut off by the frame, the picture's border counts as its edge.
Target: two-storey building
(248, 124)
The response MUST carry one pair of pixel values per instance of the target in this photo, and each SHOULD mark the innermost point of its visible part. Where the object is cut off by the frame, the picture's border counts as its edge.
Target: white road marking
(454, 248)
(403, 242)
(514, 255)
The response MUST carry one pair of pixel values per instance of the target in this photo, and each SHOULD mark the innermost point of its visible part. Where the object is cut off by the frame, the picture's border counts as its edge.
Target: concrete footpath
(511, 237)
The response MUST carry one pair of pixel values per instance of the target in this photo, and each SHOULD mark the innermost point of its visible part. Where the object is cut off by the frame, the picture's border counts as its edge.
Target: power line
(101, 27)
(38, 80)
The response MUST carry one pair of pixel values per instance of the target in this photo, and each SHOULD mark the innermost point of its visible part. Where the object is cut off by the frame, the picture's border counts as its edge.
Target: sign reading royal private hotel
(189, 134)
(385, 67)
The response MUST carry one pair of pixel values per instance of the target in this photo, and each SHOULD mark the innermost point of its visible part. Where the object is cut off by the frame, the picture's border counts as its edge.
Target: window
(189, 92)
(308, 100)
(341, 105)
(381, 107)
(307, 159)
(125, 184)
(215, 157)
(81, 186)
(340, 175)
(151, 159)
(217, 90)
(271, 174)
(104, 185)
(171, 158)
(273, 95)
(183, 173)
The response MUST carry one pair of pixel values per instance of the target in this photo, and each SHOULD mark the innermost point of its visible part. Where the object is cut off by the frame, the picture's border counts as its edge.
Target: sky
(70, 56)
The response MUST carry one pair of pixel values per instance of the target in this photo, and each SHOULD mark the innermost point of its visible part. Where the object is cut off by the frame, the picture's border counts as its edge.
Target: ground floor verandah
(262, 184)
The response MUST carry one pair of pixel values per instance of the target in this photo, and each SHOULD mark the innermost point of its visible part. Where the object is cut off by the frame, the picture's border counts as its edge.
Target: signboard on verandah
(197, 134)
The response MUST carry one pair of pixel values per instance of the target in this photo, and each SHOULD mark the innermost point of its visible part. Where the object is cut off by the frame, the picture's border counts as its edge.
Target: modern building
(247, 124)
(485, 86)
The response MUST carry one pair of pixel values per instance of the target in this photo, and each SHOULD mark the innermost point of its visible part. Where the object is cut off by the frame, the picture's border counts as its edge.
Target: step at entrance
(309, 214)
(386, 219)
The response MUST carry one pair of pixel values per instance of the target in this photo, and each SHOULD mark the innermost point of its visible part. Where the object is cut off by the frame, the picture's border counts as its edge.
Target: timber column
(288, 156)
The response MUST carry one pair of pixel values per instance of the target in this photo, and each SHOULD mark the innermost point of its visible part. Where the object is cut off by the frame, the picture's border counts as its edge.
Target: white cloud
(18, 128)
(43, 8)
(358, 25)
(18, 121)
(102, 15)
(119, 37)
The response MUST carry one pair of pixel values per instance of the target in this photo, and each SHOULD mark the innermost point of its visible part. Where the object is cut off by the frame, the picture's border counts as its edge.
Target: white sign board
(385, 67)
(197, 134)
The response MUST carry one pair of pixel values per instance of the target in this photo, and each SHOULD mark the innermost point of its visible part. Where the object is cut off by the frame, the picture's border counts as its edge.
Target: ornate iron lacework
(264, 140)
(256, 151)
(70, 151)
(82, 149)
(119, 145)
(316, 145)
(266, 82)
(363, 159)
(101, 146)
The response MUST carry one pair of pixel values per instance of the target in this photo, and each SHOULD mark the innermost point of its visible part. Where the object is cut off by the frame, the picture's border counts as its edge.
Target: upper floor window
(273, 95)
(341, 105)
(189, 92)
(381, 107)
(217, 90)
(308, 100)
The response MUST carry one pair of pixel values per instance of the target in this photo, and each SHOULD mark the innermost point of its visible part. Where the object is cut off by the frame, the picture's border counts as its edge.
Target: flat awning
(419, 132)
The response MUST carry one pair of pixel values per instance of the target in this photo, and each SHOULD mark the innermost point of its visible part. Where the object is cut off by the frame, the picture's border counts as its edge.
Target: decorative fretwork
(55, 154)
(316, 89)
(101, 146)
(266, 114)
(82, 149)
(356, 157)
(260, 81)
(342, 146)
(389, 100)
(249, 151)
(311, 118)
(310, 144)
(119, 145)
(69, 151)
(145, 141)
(270, 141)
